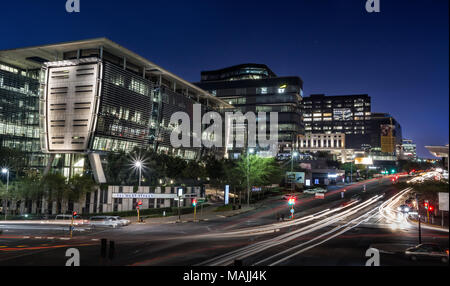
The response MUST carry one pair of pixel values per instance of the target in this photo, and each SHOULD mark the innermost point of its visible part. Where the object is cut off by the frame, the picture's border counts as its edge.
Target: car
(104, 221)
(404, 209)
(67, 218)
(287, 197)
(121, 221)
(427, 251)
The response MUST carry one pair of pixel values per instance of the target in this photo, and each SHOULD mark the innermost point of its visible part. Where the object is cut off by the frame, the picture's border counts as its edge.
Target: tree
(55, 188)
(260, 171)
(79, 186)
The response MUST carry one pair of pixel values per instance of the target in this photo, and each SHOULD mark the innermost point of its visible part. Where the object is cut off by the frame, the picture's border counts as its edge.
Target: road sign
(227, 194)
(320, 196)
(295, 177)
(143, 196)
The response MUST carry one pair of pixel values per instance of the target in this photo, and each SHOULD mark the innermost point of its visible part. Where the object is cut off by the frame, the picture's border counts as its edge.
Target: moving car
(121, 221)
(404, 209)
(427, 251)
(104, 221)
(67, 219)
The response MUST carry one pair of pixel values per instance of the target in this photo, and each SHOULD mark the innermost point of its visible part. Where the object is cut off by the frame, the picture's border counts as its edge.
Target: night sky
(400, 57)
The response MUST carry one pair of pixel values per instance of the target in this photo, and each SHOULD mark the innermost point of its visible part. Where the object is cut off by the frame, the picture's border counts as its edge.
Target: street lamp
(293, 155)
(351, 168)
(138, 164)
(250, 151)
(6, 171)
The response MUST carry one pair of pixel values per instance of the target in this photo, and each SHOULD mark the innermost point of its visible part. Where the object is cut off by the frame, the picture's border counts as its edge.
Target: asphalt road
(331, 231)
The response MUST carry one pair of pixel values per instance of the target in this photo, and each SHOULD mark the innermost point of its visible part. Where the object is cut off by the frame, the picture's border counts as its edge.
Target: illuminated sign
(363, 161)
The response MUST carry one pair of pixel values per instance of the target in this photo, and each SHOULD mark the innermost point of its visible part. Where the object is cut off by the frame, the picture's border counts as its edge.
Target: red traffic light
(74, 214)
(140, 203)
(425, 205)
(291, 201)
(431, 208)
(194, 202)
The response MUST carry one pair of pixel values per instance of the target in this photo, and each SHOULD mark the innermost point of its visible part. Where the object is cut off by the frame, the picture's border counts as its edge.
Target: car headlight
(399, 208)
(406, 209)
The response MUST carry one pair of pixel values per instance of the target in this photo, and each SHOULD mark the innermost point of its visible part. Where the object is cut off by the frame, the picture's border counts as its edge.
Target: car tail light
(446, 251)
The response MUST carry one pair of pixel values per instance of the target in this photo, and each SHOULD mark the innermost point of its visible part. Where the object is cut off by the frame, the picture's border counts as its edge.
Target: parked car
(104, 221)
(427, 251)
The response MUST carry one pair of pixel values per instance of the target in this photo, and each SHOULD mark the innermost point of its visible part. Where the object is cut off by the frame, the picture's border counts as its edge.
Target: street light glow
(138, 164)
(4, 170)
(251, 150)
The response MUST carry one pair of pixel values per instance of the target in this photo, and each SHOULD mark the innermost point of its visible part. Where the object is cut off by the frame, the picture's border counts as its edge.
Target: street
(325, 232)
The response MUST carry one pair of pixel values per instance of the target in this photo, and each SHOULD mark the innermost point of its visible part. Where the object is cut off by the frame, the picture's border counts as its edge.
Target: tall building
(256, 88)
(19, 112)
(408, 150)
(95, 97)
(347, 114)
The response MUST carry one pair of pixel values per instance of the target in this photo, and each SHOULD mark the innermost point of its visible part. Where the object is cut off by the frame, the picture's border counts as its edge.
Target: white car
(104, 221)
(121, 221)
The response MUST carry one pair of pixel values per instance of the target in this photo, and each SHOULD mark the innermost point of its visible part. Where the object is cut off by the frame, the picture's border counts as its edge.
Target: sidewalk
(206, 214)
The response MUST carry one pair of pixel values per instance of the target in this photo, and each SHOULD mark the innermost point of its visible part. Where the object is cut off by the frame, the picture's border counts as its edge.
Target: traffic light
(194, 202)
(140, 203)
(431, 208)
(74, 214)
(426, 205)
(291, 201)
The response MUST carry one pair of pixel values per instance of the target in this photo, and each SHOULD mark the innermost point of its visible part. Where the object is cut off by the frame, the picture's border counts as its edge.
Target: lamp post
(138, 164)
(351, 168)
(294, 155)
(6, 171)
(250, 151)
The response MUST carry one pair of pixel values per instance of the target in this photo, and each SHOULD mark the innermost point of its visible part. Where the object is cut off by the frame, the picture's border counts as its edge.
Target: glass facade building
(348, 114)
(255, 88)
(92, 97)
(19, 113)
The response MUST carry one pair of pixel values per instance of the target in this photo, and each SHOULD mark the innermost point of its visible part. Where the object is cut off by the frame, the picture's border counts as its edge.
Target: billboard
(443, 201)
(295, 177)
(363, 161)
(387, 138)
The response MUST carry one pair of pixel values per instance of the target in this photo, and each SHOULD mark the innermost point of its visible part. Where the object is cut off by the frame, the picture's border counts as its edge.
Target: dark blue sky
(400, 57)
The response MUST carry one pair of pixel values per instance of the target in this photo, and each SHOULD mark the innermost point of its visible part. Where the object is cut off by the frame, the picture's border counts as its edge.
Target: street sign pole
(71, 227)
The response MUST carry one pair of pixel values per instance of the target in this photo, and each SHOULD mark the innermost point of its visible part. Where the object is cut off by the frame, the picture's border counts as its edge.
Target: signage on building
(363, 161)
(387, 138)
(142, 196)
(295, 177)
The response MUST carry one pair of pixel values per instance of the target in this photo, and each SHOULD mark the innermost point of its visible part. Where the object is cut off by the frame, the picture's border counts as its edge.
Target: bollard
(103, 248)
(112, 249)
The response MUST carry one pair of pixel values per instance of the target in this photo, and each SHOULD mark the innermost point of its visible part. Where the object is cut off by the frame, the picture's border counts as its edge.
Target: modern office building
(408, 150)
(95, 97)
(331, 143)
(348, 114)
(256, 88)
(19, 113)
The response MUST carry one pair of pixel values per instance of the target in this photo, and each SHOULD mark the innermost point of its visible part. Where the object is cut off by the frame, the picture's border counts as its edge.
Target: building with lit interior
(256, 88)
(92, 97)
